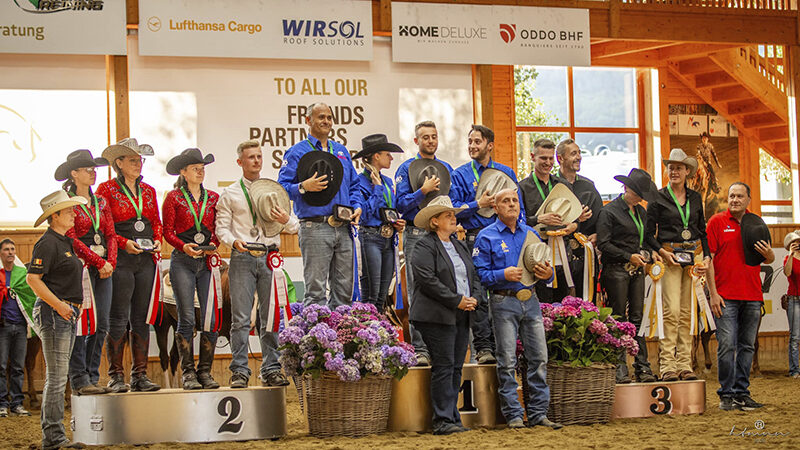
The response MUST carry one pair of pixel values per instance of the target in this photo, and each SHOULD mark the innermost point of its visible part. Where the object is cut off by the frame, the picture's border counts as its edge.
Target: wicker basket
(580, 395)
(340, 408)
(298, 385)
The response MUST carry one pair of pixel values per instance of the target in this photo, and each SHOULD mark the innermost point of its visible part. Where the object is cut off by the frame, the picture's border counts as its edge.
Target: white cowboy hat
(791, 237)
(533, 252)
(265, 195)
(493, 181)
(436, 206)
(55, 202)
(677, 155)
(563, 202)
(126, 147)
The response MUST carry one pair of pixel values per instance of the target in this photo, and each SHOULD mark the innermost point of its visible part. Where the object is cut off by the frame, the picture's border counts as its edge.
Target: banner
(88, 27)
(292, 29)
(477, 34)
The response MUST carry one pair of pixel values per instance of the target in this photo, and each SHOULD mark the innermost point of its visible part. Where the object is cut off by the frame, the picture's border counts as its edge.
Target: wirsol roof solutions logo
(53, 6)
(323, 32)
(508, 32)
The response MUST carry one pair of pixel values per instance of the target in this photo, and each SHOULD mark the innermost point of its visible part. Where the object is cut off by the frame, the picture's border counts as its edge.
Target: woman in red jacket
(189, 213)
(138, 226)
(92, 234)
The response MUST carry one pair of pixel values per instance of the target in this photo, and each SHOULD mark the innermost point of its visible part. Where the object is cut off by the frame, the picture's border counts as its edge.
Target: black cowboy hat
(640, 182)
(423, 167)
(753, 230)
(705, 134)
(375, 143)
(188, 157)
(76, 160)
(323, 163)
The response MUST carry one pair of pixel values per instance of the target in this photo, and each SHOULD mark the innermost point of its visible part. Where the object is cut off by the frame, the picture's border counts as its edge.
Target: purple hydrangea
(598, 327)
(567, 311)
(548, 323)
(291, 335)
(627, 328)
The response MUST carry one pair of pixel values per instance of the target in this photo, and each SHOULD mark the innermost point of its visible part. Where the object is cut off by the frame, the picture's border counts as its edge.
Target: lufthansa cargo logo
(52, 6)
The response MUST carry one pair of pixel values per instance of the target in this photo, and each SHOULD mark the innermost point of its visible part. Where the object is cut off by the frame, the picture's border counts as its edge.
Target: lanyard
(639, 226)
(387, 195)
(96, 219)
(475, 170)
(128, 194)
(198, 219)
(538, 186)
(684, 215)
(330, 146)
(247, 197)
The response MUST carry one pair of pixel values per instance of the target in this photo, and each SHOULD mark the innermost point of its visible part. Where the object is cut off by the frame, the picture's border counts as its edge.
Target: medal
(686, 234)
(99, 250)
(332, 221)
(96, 219)
(97, 239)
(254, 232)
(138, 226)
(199, 238)
(573, 244)
(386, 230)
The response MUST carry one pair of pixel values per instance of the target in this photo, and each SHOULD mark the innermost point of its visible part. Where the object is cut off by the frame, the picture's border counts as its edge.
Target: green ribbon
(684, 215)
(475, 171)
(249, 203)
(538, 186)
(124, 189)
(387, 196)
(198, 219)
(96, 219)
(330, 146)
(639, 226)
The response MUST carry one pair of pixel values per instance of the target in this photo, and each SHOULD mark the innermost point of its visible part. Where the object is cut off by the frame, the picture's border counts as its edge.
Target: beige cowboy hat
(791, 237)
(563, 202)
(126, 147)
(533, 252)
(55, 202)
(493, 181)
(265, 195)
(677, 155)
(436, 206)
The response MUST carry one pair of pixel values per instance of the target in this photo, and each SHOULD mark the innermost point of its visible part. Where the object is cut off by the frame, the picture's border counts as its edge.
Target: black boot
(204, 365)
(139, 380)
(115, 348)
(185, 349)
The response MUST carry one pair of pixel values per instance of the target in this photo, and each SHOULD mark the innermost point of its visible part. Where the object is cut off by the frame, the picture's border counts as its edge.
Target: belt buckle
(524, 295)
(332, 221)
(256, 253)
(386, 230)
(630, 268)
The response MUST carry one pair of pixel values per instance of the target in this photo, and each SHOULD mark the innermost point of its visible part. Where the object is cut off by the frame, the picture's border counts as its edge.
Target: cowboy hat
(55, 202)
(791, 237)
(436, 206)
(321, 163)
(187, 157)
(266, 194)
(753, 230)
(419, 169)
(563, 202)
(493, 181)
(640, 182)
(533, 252)
(76, 160)
(677, 155)
(126, 147)
(375, 143)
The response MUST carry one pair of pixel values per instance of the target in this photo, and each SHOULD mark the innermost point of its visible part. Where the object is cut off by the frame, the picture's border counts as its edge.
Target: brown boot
(115, 349)
(186, 350)
(204, 365)
(139, 380)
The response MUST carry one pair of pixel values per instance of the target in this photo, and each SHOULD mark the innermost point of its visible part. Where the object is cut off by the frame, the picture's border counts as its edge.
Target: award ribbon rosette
(87, 321)
(356, 266)
(156, 308)
(279, 293)
(705, 320)
(588, 265)
(398, 303)
(214, 301)
(653, 314)
(556, 242)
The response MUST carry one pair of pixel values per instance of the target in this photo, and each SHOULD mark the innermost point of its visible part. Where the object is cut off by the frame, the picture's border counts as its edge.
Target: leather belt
(75, 304)
(416, 231)
(317, 219)
(688, 245)
(522, 295)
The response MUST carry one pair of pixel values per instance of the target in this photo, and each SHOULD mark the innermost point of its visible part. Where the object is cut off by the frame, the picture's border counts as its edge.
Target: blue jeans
(57, 337)
(411, 236)
(377, 256)
(189, 276)
(512, 318)
(793, 314)
(736, 337)
(327, 263)
(84, 365)
(13, 345)
(249, 275)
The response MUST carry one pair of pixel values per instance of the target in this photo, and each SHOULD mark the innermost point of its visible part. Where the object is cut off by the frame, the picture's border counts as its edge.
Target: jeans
(84, 365)
(512, 318)
(57, 337)
(189, 276)
(736, 336)
(626, 297)
(411, 236)
(13, 345)
(250, 275)
(448, 347)
(793, 314)
(482, 337)
(377, 266)
(327, 263)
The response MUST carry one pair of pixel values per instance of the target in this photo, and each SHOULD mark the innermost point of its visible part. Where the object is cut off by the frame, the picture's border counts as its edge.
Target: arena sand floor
(713, 429)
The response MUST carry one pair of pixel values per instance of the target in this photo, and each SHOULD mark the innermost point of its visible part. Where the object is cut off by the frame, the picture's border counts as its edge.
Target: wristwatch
(301, 189)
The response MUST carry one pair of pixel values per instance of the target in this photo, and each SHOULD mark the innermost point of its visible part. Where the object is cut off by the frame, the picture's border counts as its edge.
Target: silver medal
(386, 230)
(199, 238)
(99, 250)
(254, 232)
(138, 226)
(686, 234)
(97, 239)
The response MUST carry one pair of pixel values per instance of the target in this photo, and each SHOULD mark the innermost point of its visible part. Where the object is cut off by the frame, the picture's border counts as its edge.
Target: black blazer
(434, 296)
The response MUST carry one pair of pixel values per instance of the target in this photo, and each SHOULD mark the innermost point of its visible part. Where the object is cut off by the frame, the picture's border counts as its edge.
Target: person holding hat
(792, 305)
(445, 287)
(376, 232)
(189, 213)
(54, 275)
(675, 217)
(134, 208)
(625, 250)
(95, 244)
(319, 176)
(249, 222)
(734, 286)
(510, 258)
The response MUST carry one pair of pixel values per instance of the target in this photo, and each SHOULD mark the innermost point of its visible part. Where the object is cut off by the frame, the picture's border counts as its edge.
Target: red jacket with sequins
(122, 209)
(83, 225)
(178, 217)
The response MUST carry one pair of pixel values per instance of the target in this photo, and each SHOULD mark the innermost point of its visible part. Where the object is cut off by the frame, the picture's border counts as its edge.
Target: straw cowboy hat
(375, 143)
(76, 160)
(563, 202)
(436, 206)
(55, 202)
(677, 155)
(321, 163)
(265, 195)
(421, 168)
(187, 157)
(791, 237)
(126, 147)
(640, 182)
(493, 181)
(533, 252)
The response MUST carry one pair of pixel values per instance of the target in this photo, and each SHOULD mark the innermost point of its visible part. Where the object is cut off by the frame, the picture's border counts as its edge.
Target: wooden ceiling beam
(617, 48)
(760, 120)
(697, 66)
(725, 94)
(748, 106)
(774, 134)
(643, 59)
(691, 51)
(714, 79)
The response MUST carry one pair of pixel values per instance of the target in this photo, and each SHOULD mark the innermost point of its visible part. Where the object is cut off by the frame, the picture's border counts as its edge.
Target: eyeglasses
(88, 169)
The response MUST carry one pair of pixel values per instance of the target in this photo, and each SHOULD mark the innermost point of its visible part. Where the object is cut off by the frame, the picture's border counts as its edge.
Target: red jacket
(178, 218)
(83, 225)
(122, 209)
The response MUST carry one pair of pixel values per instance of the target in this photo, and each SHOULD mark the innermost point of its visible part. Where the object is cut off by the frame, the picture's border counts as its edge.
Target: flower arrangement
(579, 333)
(352, 341)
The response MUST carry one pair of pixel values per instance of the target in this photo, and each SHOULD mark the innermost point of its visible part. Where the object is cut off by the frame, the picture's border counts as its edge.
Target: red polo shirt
(735, 280)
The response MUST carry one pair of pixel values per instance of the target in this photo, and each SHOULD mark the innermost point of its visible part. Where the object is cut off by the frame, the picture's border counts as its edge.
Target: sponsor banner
(479, 34)
(290, 29)
(88, 27)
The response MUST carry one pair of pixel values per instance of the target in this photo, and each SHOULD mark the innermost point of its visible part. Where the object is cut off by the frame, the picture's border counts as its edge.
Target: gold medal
(686, 234)
(524, 295)
(574, 244)
(386, 230)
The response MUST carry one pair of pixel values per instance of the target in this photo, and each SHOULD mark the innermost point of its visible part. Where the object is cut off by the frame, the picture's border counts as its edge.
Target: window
(776, 189)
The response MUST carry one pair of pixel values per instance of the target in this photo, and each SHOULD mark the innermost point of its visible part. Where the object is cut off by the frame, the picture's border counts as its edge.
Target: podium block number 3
(230, 408)
(662, 404)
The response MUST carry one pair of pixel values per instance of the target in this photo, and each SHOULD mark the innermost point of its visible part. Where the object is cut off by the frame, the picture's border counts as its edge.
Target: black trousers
(625, 294)
(482, 335)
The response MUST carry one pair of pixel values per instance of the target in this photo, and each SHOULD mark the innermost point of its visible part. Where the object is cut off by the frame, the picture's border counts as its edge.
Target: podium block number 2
(230, 408)
(662, 404)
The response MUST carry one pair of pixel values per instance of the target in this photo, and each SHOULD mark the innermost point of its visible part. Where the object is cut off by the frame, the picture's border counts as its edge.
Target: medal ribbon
(387, 196)
(96, 219)
(198, 219)
(87, 320)
(249, 203)
(212, 313)
(330, 146)
(475, 171)
(684, 215)
(130, 197)
(539, 186)
(639, 226)
(398, 285)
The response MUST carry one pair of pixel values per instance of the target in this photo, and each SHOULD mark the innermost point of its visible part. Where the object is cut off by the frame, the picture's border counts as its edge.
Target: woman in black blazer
(445, 287)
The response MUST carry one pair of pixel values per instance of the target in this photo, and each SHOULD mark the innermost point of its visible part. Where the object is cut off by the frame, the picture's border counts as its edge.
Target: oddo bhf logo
(508, 32)
(52, 6)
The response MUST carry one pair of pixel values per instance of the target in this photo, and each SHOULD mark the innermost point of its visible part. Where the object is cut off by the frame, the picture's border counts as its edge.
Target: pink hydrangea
(598, 327)
(567, 311)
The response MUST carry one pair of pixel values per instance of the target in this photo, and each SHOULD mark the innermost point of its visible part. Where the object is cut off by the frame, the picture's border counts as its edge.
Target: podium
(657, 399)
(176, 415)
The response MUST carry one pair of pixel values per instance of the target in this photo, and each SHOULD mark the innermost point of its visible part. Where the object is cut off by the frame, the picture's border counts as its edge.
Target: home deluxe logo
(441, 34)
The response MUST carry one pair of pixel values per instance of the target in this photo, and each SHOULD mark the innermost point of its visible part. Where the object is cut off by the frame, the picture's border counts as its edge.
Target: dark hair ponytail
(181, 182)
